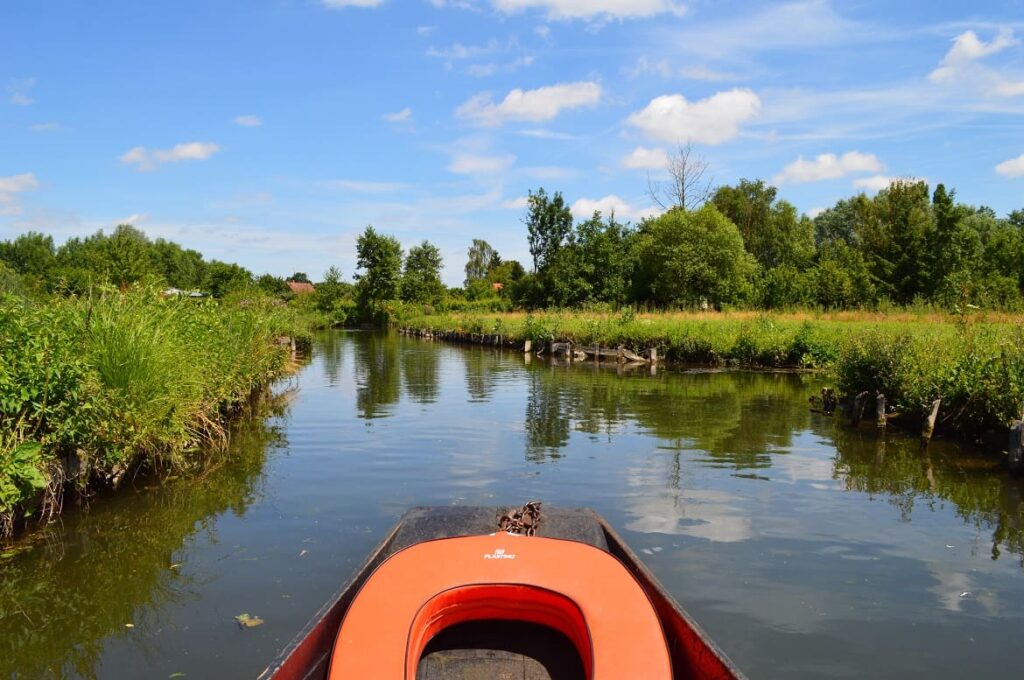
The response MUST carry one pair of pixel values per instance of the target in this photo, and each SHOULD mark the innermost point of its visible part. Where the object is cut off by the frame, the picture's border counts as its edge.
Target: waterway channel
(803, 547)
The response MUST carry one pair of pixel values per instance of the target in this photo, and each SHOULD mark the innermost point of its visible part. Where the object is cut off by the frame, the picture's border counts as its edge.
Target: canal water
(804, 548)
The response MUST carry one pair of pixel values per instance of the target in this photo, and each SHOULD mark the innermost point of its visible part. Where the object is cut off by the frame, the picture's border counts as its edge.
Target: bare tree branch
(687, 187)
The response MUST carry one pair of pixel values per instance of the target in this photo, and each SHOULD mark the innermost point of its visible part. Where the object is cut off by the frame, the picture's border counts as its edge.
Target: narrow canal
(802, 547)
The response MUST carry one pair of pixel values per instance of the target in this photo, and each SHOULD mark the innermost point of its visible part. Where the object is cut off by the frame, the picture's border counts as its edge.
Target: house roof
(301, 287)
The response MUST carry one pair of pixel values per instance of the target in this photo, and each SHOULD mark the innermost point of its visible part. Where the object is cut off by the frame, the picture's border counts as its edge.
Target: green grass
(974, 364)
(91, 387)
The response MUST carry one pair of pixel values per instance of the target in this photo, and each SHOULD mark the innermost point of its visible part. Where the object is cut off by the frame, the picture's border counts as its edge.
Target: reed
(97, 385)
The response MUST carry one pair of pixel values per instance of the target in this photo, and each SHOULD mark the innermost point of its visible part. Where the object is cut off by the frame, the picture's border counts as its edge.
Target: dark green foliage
(692, 259)
(379, 279)
(548, 225)
(772, 231)
(421, 275)
(223, 278)
(299, 277)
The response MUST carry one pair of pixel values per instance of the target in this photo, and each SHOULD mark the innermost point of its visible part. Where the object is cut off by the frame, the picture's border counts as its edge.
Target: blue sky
(271, 132)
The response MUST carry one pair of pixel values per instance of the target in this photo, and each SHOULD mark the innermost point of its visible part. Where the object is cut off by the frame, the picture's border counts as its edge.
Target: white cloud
(714, 120)
(583, 208)
(248, 121)
(541, 104)
(425, 30)
(814, 212)
(10, 187)
(148, 159)
(1012, 168)
(341, 4)
(642, 158)
(403, 116)
(472, 164)
(543, 32)
(966, 49)
(828, 166)
(876, 183)
(516, 203)
(45, 127)
(592, 9)
(363, 186)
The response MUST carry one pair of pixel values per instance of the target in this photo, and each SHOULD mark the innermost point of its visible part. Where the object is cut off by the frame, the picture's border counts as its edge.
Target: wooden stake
(859, 403)
(929, 423)
(880, 406)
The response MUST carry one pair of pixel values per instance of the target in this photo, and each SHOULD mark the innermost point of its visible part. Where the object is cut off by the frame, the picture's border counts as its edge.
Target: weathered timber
(527, 346)
(880, 410)
(859, 403)
(929, 423)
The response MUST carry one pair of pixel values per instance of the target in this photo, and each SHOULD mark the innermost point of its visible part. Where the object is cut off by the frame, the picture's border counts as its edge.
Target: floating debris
(246, 621)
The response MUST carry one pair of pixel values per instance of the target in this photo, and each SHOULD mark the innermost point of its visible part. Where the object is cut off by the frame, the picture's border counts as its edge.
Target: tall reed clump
(92, 386)
(976, 370)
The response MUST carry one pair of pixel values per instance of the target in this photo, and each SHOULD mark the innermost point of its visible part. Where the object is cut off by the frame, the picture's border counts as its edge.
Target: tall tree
(421, 277)
(772, 231)
(299, 277)
(379, 259)
(480, 261)
(548, 223)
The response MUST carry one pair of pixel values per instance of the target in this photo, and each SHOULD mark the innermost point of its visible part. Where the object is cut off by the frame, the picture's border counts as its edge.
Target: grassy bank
(93, 386)
(975, 365)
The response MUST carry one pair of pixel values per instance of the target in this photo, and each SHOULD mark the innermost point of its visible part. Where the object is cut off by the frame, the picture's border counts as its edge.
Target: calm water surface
(802, 547)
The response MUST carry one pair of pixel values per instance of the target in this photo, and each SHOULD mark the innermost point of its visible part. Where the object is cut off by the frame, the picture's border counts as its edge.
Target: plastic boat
(447, 595)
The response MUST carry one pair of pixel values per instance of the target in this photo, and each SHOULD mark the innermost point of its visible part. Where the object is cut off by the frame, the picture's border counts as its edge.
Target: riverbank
(92, 388)
(974, 365)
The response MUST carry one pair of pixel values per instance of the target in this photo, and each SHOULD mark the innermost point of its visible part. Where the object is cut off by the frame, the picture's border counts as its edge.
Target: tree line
(736, 246)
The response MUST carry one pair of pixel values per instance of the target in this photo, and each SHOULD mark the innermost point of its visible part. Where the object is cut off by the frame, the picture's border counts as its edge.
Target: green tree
(481, 258)
(32, 254)
(224, 277)
(772, 230)
(421, 276)
(274, 285)
(177, 266)
(692, 258)
(379, 259)
(299, 277)
(842, 279)
(548, 224)
(128, 255)
(895, 238)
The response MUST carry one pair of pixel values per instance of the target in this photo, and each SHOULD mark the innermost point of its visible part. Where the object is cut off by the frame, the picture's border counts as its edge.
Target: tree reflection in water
(59, 601)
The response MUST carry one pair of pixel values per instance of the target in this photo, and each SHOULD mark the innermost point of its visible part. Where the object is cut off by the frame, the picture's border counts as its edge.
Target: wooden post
(859, 402)
(929, 423)
(620, 355)
(527, 346)
(1015, 461)
(568, 352)
(880, 407)
(654, 355)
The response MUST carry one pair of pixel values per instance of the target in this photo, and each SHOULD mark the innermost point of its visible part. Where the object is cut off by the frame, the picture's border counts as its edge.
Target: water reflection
(378, 374)
(79, 583)
(804, 547)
